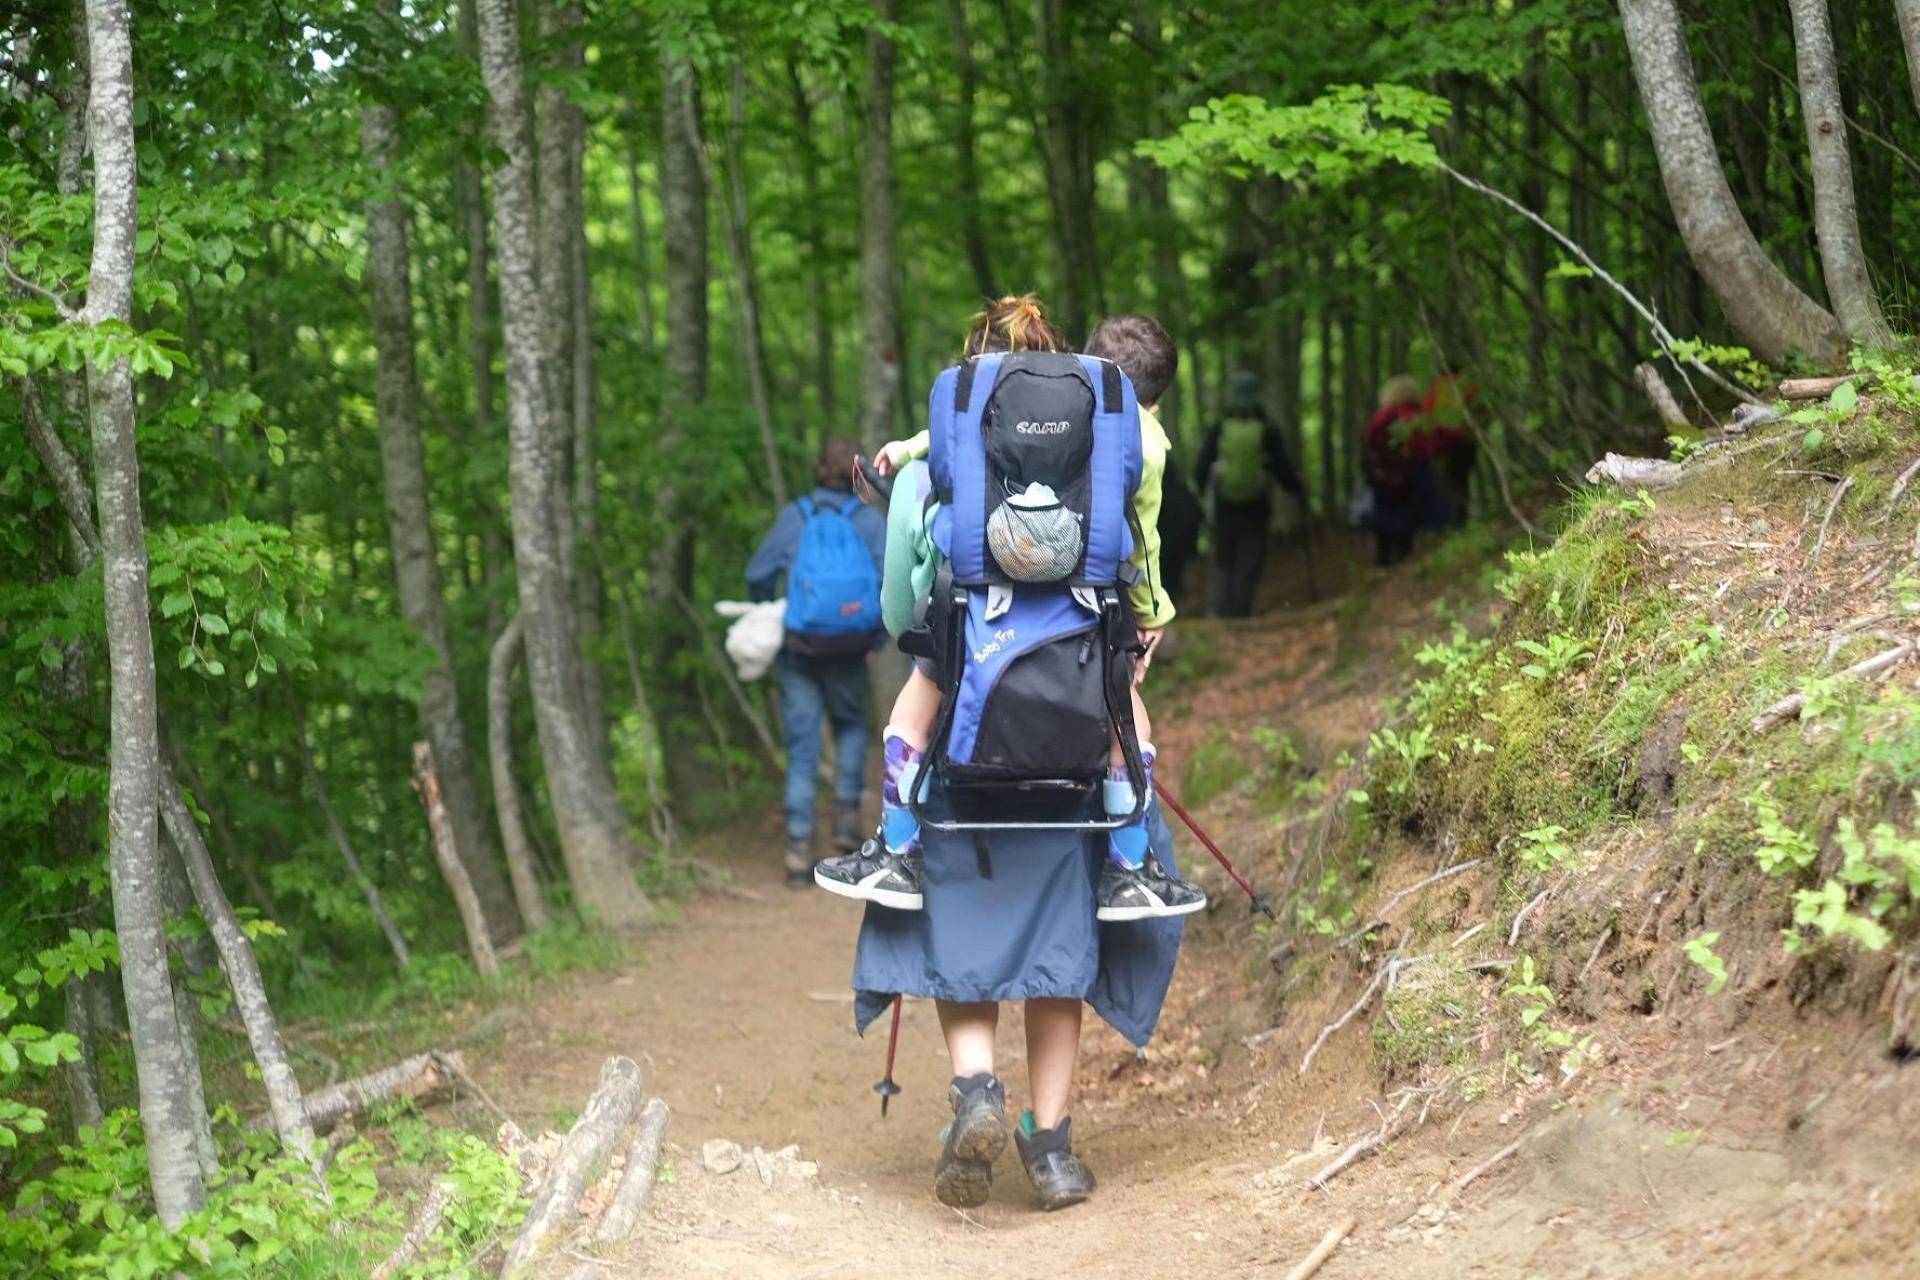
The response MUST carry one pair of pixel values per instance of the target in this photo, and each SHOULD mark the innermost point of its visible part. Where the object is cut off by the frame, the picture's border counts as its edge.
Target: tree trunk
(84, 1105)
(1070, 192)
(589, 589)
(558, 128)
(1910, 36)
(879, 367)
(403, 468)
(196, 961)
(1768, 310)
(426, 782)
(470, 190)
(1836, 222)
(507, 650)
(368, 889)
(594, 842)
(967, 172)
(821, 299)
(683, 210)
(133, 838)
(642, 255)
(243, 974)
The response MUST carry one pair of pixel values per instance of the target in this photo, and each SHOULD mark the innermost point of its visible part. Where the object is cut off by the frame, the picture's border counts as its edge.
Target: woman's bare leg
(911, 719)
(969, 1028)
(1053, 1047)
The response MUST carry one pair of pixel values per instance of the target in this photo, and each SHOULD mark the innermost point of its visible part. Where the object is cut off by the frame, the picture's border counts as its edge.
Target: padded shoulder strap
(1116, 465)
(806, 507)
(957, 456)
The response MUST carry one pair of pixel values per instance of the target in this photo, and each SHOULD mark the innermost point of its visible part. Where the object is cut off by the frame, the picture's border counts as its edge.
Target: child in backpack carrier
(888, 869)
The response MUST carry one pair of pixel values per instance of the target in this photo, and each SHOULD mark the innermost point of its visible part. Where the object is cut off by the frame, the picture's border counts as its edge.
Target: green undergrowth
(1609, 690)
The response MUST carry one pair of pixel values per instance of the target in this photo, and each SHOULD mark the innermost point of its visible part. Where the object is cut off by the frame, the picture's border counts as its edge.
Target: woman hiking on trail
(1008, 915)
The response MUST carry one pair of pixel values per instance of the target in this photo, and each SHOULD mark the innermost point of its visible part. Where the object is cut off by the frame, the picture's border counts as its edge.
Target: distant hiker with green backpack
(829, 548)
(1242, 458)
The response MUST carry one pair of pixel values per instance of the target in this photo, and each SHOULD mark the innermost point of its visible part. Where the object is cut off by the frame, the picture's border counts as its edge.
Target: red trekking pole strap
(1255, 897)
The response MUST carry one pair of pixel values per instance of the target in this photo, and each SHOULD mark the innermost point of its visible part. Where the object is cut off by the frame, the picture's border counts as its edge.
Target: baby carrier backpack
(833, 588)
(1034, 460)
(1240, 476)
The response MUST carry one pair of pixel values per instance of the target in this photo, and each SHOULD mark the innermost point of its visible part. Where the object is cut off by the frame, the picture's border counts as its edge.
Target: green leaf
(1845, 399)
(1813, 439)
(213, 624)
(175, 603)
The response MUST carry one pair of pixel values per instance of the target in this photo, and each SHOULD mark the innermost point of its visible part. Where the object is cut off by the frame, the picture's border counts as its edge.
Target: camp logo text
(1042, 428)
(1001, 639)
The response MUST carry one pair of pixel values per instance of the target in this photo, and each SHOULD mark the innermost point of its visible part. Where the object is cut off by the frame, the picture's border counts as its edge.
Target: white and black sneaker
(1145, 892)
(873, 873)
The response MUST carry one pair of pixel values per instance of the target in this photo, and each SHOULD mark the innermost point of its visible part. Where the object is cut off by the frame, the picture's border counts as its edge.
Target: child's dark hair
(1143, 351)
(834, 467)
(1013, 324)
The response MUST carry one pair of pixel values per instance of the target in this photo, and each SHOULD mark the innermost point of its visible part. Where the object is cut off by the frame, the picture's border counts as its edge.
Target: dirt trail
(1668, 1161)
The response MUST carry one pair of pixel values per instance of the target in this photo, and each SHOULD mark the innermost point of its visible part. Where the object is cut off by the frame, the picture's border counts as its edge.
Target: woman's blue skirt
(1023, 929)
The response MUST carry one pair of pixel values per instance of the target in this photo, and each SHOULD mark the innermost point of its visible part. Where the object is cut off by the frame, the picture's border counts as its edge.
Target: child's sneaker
(1145, 892)
(1059, 1177)
(964, 1177)
(873, 873)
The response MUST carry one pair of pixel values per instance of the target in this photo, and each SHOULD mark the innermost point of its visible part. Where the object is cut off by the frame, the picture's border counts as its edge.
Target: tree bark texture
(559, 126)
(242, 968)
(418, 1079)
(166, 1086)
(470, 190)
(594, 842)
(1909, 13)
(403, 469)
(967, 167)
(1769, 311)
(879, 363)
(582, 1153)
(589, 586)
(195, 962)
(683, 209)
(397, 941)
(1836, 220)
(636, 1178)
(506, 655)
(84, 1105)
(426, 781)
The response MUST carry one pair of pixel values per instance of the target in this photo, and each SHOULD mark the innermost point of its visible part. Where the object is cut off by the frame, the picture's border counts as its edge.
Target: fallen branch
(1899, 487)
(1366, 997)
(581, 1154)
(636, 1180)
(1606, 935)
(1626, 472)
(1324, 1250)
(1790, 707)
(1390, 1128)
(1379, 916)
(1472, 1175)
(1520, 917)
(1833, 505)
(1820, 388)
(426, 782)
(426, 1221)
(418, 1079)
(1647, 374)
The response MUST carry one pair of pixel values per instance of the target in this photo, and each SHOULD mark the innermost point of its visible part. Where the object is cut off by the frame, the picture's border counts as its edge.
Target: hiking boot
(874, 873)
(846, 828)
(1145, 892)
(799, 861)
(1059, 1177)
(974, 1140)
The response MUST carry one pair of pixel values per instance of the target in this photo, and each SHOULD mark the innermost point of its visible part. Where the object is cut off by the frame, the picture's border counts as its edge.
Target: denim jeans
(811, 689)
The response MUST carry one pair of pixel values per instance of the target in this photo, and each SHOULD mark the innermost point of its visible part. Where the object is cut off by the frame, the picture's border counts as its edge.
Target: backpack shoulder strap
(806, 507)
(1116, 465)
(957, 456)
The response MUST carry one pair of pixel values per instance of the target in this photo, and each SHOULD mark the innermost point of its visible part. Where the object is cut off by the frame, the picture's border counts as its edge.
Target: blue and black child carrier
(1035, 458)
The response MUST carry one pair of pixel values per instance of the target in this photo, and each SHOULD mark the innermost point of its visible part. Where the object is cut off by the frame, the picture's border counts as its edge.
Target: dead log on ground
(425, 1222)
(580, 1157)
(418, 1079)
(1634, 473)
(1324, 1250)
(426, 781)
(1820, 388)
(636, 1180)
(1790, 707)
(1648, 376)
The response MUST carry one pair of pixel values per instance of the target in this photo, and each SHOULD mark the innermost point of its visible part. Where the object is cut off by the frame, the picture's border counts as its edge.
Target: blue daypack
(1035, 652)
(833, 588)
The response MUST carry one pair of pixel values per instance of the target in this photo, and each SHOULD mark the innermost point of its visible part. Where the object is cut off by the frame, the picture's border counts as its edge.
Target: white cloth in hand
(754, 639)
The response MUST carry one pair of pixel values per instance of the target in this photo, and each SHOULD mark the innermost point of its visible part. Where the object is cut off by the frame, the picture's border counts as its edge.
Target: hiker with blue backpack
(828, 547)
(1018, 793)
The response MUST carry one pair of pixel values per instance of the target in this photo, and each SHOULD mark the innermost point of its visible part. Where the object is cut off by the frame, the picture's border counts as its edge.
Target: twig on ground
(1379, 916)
(1833, 505)
(1520, 917)
(1324, 1250)
(1790, 707)
(1606, 935)
(1366, 997)
(454, 1065)
(1472, 1175)
(1899, 487)
(1459, 941)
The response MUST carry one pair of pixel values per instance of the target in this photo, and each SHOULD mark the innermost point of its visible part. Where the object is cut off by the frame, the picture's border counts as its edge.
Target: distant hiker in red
(1446, 410)
(1415, 458)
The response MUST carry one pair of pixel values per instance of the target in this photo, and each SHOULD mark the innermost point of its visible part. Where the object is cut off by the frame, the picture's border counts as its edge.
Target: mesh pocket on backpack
(1035, 544)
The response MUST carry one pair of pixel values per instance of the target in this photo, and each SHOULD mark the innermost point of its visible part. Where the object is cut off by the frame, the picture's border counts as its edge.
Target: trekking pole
(1257, 900)
(887, 1088)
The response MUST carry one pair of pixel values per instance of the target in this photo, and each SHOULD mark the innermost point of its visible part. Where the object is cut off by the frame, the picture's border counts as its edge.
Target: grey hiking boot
(846, 828)
(875, 873)
(975, 1139)
(1059, 1177)
(799, 861)
(1145, 892)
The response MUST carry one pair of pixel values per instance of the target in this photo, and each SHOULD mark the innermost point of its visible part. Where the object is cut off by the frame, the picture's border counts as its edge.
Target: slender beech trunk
(166, 1084)
(879, 367)
(282, 1087)
(559, 126)
(1909, 11)
(403, 467)
(195, 962)
(426, 783)
(589, 590)
(1768, 310)
(397, 941)
(967, 169)
(507, 651)
(642, 254)
(85, 1107)
(821, 299)
(683, 208)
(594, 843)
(470, 191)
(1836, 222)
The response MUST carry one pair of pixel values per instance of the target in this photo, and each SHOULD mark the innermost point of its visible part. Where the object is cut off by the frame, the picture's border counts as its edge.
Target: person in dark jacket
(1242, 458)
(814, 686)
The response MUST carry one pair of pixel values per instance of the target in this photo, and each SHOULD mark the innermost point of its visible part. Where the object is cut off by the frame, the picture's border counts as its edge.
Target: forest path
(739, 1013)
